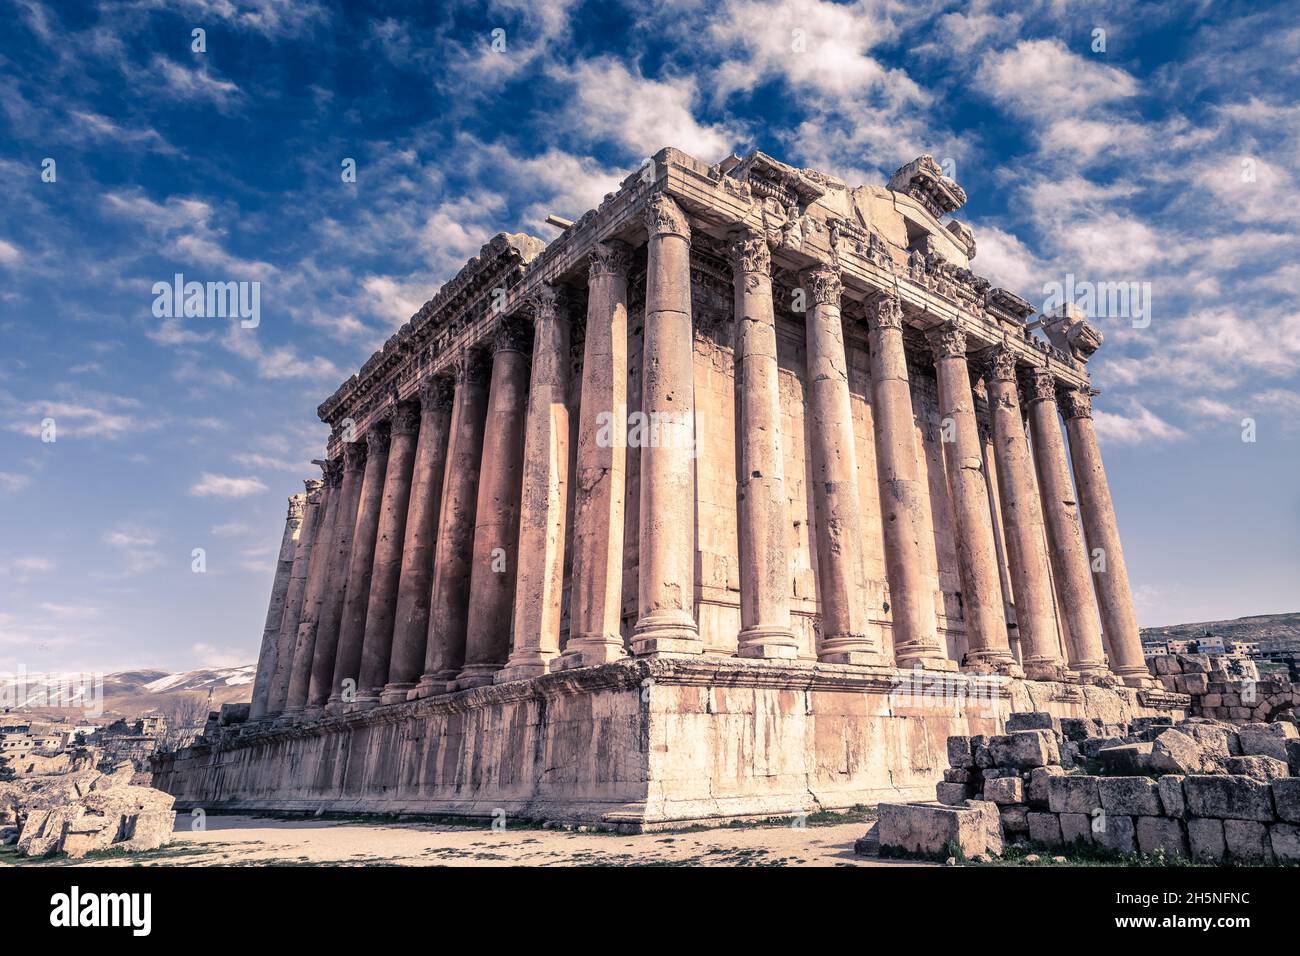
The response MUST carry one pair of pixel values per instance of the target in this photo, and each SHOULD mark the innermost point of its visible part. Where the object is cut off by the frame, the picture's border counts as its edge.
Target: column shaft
(365, 532)
(381, 611)
(841, 562)
(977, 559)
(596, 586)
(495, 565)
(1061, 515)
(1109, 572)
(449, 602)
(761, 508)
(544, 497)
(1022, 522)
(912, 588)
(265, 673)
(336, 579)
(311, 522)
(666, 565)
(411, 626)
(304, 639)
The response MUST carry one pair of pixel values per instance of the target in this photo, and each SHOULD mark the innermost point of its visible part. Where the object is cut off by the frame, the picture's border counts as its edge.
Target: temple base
(638, 744)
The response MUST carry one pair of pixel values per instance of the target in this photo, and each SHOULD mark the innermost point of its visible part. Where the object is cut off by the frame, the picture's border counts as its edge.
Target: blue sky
(1122, 164)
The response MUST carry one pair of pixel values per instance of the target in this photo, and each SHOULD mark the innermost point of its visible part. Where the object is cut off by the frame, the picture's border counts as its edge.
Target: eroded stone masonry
(674, 517)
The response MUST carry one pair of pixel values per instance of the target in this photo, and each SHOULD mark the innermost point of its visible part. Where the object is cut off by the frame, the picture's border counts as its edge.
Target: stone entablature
(808, 219)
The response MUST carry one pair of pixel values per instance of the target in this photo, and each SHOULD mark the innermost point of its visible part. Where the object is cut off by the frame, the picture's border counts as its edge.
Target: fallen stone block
(1135, 796)
(1284, 838)
(954, 775)
(961, 755)
(1224, 797)
(1175, 752)
(1044, 828)
(1067, 794)
(932, 828)
(1113, 831)
(1033, 720)
(953, 794)
(1205, 840)
(1247, 841)
(1260, 743)
(1126, 758)
(1076, 828)
(1080, 728)
(1004, 790)
(1139, 724)
(1172, 801)
(1215, 739)
(1036, 792)
(1015, 819)
(1259, 768)
(1161, 835)
(1024, 749)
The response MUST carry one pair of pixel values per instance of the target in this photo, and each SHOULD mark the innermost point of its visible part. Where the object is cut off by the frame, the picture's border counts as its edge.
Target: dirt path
(246, 840)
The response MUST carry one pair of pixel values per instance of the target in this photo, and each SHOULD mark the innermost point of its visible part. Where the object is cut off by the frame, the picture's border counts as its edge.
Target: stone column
(304, 638)
(1109, 572)
(841, 562)
(666, 566)
(288, 635)
(265, 673)
(449, 602)
(1061, 515)
(912, 588)
(1022, 522)
(596, 579)
(352, 630)
(544, 498)
(381, 610)
(988, 648)
(411, 627)
(761, 509)
(495, 565)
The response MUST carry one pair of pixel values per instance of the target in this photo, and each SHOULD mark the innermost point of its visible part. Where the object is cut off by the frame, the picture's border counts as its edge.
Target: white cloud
(224, 486)
(1140, 426)
(8, 252)
(1043, 79)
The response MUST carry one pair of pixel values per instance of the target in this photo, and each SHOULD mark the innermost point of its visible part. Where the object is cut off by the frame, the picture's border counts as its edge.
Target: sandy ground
(260, 841)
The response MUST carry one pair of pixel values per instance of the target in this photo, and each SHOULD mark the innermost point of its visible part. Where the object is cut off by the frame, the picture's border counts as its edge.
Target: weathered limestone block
(1044, 828)
(1260, 768)
(960, 752)
(1034, 720)
(1015, 819)
(1247, 841)
(1293, 757)
(1036, 793)
(1025, 749)
(1073, 794)
(1175, 752)
(1206, 840)
(1004, 790)
(1114, 831)
(1172, 801)
(1161, 835)
(1284, 838)
(1217, 740)
(122, 817)
(934, 828)
(1076, 828)
(1261, 740)
(1134, 796)
(1286, 797)
(953, 794)
(1231, 798)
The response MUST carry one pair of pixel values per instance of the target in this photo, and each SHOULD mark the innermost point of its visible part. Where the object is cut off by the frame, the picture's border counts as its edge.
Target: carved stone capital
(313, 485)
(884, 313)
(609, 258)
(1074, 402)
(437, 392)
(297, 504)
(512, 335)
(947, 341)
(749, 252)
(547, 303)
(406, 418)
(333, 473)
(663, 217)
(473, 367)
(354, 456)
(1000, 364)
(1039, 386)
(378, 438)
(822, 284)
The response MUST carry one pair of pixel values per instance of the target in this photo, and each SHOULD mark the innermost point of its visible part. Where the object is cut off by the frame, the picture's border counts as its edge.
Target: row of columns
(435, 559)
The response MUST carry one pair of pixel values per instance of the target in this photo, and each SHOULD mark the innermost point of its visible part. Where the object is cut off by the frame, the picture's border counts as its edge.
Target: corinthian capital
(663, 217)
(1039, 386)
(333, 472)
(547, 302)
(473, 366)
(513, 335)
(377, 438)
(313, 485)
(1074, 402)
(437, 391)
(406, 418)
(884, 313)
(947, 341)
(750, 253)
(1000, 364)
(354, 455)
(609, 258)
(822, 284)
(297, 503)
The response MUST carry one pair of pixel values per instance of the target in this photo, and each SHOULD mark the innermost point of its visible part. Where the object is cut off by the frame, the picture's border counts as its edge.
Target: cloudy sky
(1161, 151)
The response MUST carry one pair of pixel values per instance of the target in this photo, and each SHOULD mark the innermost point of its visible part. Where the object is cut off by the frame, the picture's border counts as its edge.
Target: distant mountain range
(184, 696)
(1260, 627)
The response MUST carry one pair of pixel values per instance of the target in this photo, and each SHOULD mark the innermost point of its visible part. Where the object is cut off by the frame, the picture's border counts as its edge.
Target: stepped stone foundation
(649, 523)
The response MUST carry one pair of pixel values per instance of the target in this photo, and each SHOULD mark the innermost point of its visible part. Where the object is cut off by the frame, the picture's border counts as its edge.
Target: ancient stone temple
(738, 498)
